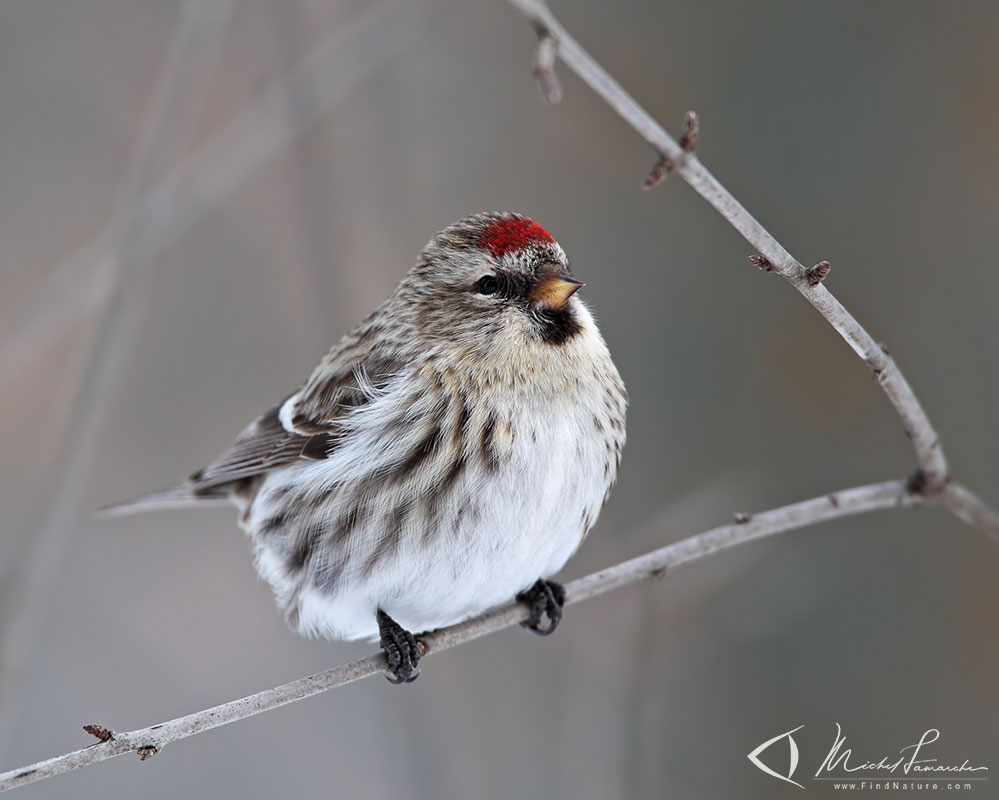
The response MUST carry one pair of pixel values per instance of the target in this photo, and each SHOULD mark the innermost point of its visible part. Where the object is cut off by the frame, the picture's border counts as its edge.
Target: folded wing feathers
(273, 440)
(264, 445)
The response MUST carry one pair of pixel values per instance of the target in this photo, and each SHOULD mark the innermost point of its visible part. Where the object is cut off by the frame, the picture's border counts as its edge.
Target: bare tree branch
(925, 441)
(848, 502)
(929, 485)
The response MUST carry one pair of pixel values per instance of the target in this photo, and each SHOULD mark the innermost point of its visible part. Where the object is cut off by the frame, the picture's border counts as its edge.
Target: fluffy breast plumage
(441, 499)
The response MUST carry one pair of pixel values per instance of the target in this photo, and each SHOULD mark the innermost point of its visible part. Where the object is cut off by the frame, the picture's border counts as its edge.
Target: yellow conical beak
(554, 291)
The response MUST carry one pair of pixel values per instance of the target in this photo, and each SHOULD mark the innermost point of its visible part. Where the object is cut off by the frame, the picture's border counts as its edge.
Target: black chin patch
(556, 326)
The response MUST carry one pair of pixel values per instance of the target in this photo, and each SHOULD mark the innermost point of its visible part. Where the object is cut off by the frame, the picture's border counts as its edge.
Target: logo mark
(792, 745)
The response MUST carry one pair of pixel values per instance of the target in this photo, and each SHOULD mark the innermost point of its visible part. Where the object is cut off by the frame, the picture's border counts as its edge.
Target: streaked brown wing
(263, 445)
(266, 444)
(335, 388)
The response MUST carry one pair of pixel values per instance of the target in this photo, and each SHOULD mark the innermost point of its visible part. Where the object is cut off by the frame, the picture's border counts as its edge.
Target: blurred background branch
(158, 203)
(123, 257)
(165, 208)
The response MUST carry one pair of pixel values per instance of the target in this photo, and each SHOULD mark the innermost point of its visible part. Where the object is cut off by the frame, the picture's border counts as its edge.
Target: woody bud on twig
(692, 131)
(818, 273)
(662, 168)
(102, 733)
(665, 164)
(761, 261)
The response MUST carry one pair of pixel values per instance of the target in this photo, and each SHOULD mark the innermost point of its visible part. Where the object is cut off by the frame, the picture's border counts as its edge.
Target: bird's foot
(545, 598)
(402, 651)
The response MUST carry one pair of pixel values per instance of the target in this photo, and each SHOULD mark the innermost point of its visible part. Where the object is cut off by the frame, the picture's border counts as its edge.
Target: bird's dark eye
(487, 284)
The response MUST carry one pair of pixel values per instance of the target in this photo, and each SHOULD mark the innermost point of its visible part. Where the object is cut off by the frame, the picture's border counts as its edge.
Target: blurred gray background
(157, 296)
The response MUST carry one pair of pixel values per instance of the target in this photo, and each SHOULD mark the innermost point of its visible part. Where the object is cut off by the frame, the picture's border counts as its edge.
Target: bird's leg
(402, 651)
(545, 598)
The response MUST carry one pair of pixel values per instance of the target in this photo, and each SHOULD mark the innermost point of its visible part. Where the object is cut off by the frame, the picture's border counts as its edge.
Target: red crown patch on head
(512, 233)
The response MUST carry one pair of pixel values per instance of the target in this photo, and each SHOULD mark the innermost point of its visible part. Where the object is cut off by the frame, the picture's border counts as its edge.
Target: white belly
(505, 529)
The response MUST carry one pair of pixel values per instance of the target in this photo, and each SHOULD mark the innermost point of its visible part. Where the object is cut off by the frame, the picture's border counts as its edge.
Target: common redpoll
(448, 454)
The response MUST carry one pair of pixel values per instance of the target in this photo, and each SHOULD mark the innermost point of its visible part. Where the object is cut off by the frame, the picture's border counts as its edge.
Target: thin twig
(925, 441)
(544, 67)
(653, 565)
(967, 507)
(688, 142)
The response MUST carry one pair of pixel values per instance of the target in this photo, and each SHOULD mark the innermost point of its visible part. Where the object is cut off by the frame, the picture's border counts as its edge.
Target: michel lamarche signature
(841, 759)
(840, 762)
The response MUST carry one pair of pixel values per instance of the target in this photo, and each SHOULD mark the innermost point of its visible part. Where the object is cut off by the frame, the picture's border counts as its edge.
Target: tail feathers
(178, 497)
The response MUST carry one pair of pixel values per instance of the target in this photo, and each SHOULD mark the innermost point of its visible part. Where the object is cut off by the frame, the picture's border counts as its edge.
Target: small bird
(448, 454)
